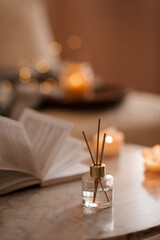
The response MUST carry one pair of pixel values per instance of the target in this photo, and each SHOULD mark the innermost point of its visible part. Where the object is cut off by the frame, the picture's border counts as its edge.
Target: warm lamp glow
(74, 41)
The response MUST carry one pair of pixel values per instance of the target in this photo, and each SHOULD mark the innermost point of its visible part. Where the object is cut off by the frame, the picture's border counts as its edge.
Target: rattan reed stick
(104, 190)
(103, 144)
(99, 122)
(89, 148)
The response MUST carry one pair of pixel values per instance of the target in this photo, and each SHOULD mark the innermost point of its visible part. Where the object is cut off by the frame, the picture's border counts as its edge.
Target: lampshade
(25, 34)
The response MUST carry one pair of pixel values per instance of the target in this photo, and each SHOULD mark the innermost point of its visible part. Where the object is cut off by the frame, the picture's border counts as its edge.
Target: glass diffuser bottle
(97, 186)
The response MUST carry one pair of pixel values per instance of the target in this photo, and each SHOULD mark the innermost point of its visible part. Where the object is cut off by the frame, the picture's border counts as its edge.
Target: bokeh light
(74, 42)
(42, 65)
(24, 75)
(52, 81)
(6, 86)
(55, 48)
(48, 85)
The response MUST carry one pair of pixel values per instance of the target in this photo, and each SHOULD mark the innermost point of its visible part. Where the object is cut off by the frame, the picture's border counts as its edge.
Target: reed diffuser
(97, 186)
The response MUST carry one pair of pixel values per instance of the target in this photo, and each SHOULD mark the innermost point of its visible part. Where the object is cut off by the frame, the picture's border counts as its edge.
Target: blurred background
(119, 38)
(103, 51)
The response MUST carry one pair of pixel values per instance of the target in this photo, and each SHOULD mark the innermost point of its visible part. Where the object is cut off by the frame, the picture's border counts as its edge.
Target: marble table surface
(56, 212)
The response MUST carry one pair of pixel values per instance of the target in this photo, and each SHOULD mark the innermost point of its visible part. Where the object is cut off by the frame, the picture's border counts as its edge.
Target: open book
(37, 149)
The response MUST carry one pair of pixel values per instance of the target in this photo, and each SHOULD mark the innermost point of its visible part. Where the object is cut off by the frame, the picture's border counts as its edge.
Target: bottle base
(90, 204)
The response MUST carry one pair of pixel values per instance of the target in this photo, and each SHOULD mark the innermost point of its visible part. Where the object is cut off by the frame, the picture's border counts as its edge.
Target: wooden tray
(102, 97)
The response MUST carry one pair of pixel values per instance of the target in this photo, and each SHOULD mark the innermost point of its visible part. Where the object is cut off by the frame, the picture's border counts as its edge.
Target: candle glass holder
(104, 194)
(152, 158)
(77, 79)
(114, 141)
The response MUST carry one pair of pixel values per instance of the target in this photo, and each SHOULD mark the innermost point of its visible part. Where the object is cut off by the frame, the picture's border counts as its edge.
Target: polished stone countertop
(56, 212)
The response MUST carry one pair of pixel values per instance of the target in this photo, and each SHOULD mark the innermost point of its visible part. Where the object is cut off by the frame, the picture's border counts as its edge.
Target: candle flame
(109, 139)
(76, 79)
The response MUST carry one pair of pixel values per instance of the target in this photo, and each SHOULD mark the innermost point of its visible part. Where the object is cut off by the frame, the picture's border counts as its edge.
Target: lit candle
(76, 79)
(152, 158)
(114, 140)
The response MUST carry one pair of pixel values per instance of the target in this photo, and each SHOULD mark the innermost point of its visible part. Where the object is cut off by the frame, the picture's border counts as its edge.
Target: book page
(9, 178)
(78, 166)
(70, 149)
(70, 155)
(47, 135)
(13, 180)
(15, 148)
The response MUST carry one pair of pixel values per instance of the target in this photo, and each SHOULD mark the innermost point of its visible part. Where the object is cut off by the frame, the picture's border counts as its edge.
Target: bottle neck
(98, 171)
